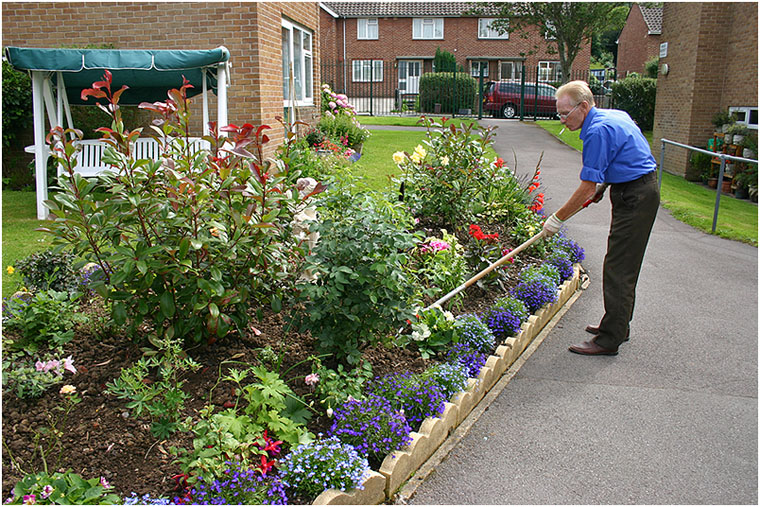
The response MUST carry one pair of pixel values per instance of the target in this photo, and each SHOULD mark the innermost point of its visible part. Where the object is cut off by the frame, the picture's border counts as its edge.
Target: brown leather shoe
(595, 331)
(590, 348)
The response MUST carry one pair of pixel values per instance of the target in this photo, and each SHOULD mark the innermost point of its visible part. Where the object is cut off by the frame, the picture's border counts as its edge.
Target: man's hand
(600, 188)
(552, 225)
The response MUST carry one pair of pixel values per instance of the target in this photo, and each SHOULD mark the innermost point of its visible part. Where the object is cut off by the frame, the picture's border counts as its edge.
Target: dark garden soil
(101, 438)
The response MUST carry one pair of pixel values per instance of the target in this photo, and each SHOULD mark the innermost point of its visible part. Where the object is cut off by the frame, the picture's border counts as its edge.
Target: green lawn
(19, 237)
(408, 121)
(692, 203)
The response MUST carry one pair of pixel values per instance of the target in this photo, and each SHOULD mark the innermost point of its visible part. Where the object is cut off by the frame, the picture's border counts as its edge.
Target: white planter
(747, 153)
(727, 139)
(738, 138)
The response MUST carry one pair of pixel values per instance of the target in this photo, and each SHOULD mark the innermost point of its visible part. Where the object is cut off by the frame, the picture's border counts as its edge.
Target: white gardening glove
(600, 188)
(552, 225)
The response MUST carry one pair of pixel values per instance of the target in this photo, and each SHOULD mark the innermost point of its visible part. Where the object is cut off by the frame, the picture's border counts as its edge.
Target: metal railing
(721, 172)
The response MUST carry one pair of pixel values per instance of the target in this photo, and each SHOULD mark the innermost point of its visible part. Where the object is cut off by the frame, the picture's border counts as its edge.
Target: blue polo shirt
(614, 149)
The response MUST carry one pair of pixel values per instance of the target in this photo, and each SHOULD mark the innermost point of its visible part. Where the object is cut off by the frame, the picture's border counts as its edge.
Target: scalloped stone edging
(400, 465)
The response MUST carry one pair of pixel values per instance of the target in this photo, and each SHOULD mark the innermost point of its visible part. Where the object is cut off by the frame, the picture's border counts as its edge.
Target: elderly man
(615, 153)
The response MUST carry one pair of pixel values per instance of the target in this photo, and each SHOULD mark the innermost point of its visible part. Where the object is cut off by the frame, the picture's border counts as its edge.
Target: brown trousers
(634, 208)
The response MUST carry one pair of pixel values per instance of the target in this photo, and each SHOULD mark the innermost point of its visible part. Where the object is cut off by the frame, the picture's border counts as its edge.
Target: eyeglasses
(565, 115)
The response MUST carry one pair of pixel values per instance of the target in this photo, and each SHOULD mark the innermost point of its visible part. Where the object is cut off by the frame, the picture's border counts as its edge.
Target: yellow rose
(10, 270)
(399, 157)
(68, 389)
(420, 150)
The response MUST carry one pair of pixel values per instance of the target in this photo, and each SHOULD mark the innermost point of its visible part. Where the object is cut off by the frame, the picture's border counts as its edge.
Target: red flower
(499, 162)
(265, 465)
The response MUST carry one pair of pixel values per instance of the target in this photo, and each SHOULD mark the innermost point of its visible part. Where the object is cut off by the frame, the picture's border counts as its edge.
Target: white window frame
(545, 71)
(365, 27)
(304, 63)
(419, 24)
(486, 32)
(360, 71)
(516, 69)
(478, 64)
(747, 110)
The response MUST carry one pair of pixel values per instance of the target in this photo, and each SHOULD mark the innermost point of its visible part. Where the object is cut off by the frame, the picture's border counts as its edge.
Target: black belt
(638, 181)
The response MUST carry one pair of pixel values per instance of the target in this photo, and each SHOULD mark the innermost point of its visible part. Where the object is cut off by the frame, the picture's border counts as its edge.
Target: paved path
(671, 420)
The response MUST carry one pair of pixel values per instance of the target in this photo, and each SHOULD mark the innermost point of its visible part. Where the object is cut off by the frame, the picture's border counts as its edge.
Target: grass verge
(409, 121)
(19, 236)
(691, 203)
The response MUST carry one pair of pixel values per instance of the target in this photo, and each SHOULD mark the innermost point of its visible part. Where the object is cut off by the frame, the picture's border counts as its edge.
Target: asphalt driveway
(671, 420)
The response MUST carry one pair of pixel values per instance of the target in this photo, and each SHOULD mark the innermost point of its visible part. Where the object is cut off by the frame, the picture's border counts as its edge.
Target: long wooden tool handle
(487, 270)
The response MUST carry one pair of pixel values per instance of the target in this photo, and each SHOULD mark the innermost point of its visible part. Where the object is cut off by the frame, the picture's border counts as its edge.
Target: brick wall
(250, 30)
(712, 59)
(635, 45)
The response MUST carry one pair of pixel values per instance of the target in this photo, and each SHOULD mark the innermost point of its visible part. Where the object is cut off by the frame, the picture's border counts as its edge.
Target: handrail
(723, 157)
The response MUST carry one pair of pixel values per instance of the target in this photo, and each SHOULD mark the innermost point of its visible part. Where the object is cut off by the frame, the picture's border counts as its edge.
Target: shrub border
(400, 465)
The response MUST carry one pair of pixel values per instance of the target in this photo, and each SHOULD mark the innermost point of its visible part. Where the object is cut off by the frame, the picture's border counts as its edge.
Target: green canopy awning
(147, 73)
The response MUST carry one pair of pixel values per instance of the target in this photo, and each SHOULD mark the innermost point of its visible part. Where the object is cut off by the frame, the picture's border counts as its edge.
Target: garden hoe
(595, 198)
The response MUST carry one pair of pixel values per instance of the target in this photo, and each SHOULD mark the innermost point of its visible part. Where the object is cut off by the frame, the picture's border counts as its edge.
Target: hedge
(438, 88)
(636, 95)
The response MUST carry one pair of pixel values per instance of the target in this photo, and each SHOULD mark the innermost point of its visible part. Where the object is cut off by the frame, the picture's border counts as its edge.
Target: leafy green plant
(162, 399)
(49, 270)
(636, 95)
(188, 243)
(452, 90)
(343, 129)
(433, 331)
(440, 265)
(31, 379)
(63, 488)
(362, 291)
(45, 320)
(17, 102)
(334, 387)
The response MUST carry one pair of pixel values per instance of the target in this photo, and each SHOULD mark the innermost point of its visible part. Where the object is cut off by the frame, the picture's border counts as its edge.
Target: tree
(567, 25)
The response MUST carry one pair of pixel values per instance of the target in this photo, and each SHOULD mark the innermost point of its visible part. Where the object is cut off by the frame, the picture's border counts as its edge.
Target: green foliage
(453, 91)
(336, 386)
(362, 291)
(449, 179)
(651, 67)
(433, 331)
(191, 242)
(49, 270)
(722, 117)
(636, 95)
(343, 129)
(702, 165)
(46, 320)
(20, 373)
(443, 61)
(17, 103)
(161, 398)
(525, 226)
(218, 439)
(440, 265)
(67, 488)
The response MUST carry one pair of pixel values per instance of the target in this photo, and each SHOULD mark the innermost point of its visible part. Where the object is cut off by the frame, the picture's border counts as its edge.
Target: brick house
(265, 40)
(639, 40)
(712, 58)
(389, 45)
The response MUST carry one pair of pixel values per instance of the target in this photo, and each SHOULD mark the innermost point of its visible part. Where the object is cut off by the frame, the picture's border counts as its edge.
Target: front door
(409, 72)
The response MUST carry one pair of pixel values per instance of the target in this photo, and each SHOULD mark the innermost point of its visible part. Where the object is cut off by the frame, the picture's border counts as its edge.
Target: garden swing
(60, 75)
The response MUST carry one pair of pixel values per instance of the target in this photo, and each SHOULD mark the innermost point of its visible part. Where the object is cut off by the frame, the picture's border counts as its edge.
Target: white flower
(329, 412)
(449, 316)
(68, 389)
(399, 157)
(445, 161)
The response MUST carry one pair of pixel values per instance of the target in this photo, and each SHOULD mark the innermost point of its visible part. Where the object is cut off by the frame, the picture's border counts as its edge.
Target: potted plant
(700, 167)
(738, 132)
(721, 120)
(749, 143)
(745, 181)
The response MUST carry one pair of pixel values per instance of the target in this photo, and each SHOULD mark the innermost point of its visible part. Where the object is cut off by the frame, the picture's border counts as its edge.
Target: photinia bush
(188, 243)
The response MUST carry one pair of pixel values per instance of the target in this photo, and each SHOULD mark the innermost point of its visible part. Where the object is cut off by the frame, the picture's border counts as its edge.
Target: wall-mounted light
(664, 69)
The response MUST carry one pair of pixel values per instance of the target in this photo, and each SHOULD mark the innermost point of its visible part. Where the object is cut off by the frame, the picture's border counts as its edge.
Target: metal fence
(721, 172)
(383, 88)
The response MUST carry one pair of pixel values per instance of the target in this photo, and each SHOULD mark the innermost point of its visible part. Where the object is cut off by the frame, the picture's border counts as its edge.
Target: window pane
(416, 28)
(308, 76)
(285, 64)
(372, 29)
(438, 28)
(297, 70)
(306, 41)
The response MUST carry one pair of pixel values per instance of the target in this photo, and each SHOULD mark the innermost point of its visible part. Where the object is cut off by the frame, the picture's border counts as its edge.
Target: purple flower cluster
(323, 464)
(467, 356)
(145, 500)
(534, 294)
(417, 397)
(450, 377)
(371, 426)
(502, 322)
(546, 273)
(568, 247)
(471, 330)
(241, 485)
(563, 265)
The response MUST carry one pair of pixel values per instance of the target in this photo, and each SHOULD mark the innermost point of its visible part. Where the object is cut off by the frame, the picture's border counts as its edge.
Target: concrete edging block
(372, 493)
(485, 381)
(499, 365)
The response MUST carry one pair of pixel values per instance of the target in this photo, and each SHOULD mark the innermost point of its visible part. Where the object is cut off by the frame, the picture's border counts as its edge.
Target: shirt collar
(587, 121)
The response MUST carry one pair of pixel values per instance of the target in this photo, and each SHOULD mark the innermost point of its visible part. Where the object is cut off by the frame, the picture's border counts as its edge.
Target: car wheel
(508, 111)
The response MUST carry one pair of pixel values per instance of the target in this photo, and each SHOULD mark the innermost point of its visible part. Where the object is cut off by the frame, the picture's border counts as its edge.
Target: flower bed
(265, 321)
